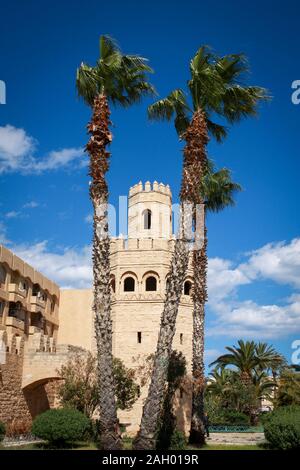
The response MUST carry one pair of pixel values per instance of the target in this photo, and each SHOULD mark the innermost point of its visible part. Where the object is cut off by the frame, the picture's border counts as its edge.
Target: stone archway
(41, 395)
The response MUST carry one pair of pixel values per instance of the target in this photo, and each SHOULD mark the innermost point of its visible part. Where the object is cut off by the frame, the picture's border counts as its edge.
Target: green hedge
(2, 431)
(282, 428)
(61, 426)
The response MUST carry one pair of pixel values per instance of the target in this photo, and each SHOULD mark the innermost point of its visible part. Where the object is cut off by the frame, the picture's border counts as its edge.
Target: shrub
(2, 431)
(178, 440)
(282, 428)
(61, 426)
(235, 418)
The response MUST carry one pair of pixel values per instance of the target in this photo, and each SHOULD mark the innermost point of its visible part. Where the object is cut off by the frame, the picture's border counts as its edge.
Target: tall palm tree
(121, 80)
(217, 191)
(214, 89)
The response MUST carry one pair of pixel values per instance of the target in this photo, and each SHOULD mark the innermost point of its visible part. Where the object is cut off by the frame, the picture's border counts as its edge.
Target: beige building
(139, 273)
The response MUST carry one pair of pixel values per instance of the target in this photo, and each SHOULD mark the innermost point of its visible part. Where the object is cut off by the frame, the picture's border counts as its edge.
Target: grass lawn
(127, 444)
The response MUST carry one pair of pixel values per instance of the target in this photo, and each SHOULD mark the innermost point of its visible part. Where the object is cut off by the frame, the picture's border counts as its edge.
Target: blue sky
(254, 248)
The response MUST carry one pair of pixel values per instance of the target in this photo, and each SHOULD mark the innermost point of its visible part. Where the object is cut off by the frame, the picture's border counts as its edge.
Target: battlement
(148, 187)
(134, 244)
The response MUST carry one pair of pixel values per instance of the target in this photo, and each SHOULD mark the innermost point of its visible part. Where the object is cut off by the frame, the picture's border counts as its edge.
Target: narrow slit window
(187, 288)
(147, 219)
(181, 338)
(139, 337)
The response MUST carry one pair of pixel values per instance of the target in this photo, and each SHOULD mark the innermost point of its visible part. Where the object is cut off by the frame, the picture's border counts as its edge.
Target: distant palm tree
(214, 89)
(250, 358)
(224, 386)
(121, 80)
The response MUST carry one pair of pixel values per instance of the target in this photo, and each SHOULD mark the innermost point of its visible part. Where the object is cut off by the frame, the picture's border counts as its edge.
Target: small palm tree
(250, 359)
(214, 89)
(121, 80)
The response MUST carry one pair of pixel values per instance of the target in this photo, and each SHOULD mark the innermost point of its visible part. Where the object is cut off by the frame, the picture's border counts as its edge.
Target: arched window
(2, 274)
(151, 283)
(113, 284)
(129, 284)
(187, 288)
(147, 219)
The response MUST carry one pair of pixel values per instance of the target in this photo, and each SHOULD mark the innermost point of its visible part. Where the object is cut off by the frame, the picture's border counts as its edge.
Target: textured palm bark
(195, 155)
(100, 137)
(197, 432)
(146, 437)
(194, 162)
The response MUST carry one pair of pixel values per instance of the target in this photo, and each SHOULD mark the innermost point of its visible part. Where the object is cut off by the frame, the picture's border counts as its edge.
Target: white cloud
(279, 262)
(69, 269)
(211, 354)
(31, 205)
(228, 315)
(18, 154)
(15, 147)
(13, 214)
(3, 234)
(249, 319)
(224, 278)
(88, 218)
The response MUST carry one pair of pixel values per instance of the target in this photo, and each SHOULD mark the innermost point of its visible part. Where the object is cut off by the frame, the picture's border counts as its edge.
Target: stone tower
(150, 211)
(139, 272)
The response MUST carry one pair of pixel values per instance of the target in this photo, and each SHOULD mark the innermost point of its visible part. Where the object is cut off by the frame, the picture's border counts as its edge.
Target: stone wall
(13, 405)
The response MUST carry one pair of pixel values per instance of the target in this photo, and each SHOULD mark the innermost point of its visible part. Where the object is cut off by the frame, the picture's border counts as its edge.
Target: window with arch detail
(187, 289)
(151, 284)
(113, 284)
(2, 274)
(147, 219)
(129, 284)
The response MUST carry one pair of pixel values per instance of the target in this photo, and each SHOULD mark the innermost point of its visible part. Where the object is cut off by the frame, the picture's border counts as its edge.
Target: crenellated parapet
(150, 187)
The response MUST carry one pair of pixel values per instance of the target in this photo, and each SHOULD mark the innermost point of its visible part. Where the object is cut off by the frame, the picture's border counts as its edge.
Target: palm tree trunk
(99, 164)
(146, 437)
(197, 431)
(194, 157)
(195, 153)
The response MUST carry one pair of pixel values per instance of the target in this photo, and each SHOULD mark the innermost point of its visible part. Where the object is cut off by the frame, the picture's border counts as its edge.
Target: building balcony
(15, 323)
(37, 304)
(4, 294)
(16, 294)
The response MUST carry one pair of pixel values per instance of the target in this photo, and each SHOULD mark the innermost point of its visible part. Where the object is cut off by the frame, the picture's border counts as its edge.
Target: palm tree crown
(121, 78)
(250, 357)
(215, 87)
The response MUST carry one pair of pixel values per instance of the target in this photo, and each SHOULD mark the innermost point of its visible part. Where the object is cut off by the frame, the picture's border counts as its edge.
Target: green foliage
(217, 189)
(249, 356)
(167, 423)
(178, 441)
(79, 389)
(127, 391)
(288, 392)
(2, 431)
(215, 86)
(61, 426)
(122, 78)
(219, 415)
(282, 428)
(235, 418)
